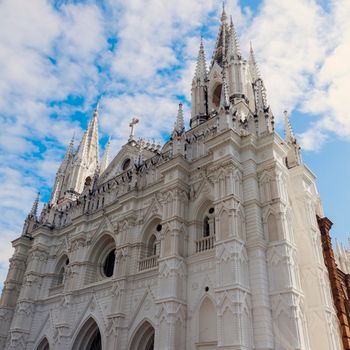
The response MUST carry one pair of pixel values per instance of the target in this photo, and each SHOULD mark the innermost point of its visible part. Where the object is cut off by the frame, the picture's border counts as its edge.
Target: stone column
(256, 249)
(13, 285)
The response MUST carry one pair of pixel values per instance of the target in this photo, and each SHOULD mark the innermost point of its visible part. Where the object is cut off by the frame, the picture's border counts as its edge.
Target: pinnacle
(223, 15)
(253, 64)
(201, 67)
(179, 125)
(34, 211)
(289, 135)
(234, 49)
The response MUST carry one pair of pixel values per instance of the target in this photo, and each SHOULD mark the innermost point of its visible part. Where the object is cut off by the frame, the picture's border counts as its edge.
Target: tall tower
(78, 169)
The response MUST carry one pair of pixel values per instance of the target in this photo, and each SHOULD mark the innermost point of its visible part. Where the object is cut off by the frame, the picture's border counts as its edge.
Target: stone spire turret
(221, 45)
(88, 149)
(32, 217)
(288, 130)
(179, 124)
(234, 51)
(201, 73)
(199, 96)
(34, 211)
(105, 158)
(293, 156)
(253, 66)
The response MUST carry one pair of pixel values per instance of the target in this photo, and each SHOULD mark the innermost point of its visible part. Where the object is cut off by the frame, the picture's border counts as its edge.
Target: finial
(288, 131)
(34, 211)
(253, 64)
(223, 15)
(132, 124)
(201, 66)
(234, 49)
(179, 125)
(97, 106)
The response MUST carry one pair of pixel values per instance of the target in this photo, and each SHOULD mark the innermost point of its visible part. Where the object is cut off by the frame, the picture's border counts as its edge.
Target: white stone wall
(259, 284)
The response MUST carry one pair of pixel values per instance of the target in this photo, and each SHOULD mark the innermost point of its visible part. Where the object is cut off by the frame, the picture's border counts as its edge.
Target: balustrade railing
(205, 243)
(148, 263)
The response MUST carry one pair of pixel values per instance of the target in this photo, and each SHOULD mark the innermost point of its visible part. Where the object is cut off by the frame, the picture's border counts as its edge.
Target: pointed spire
(201, 72)
(254, 69)
(34, 211)
(293, 156)
(223, 14)
(88, 149)
(68, 154)
(179, 124)
(234, 50)
(220, 49)
(105, 158)
(288, 131)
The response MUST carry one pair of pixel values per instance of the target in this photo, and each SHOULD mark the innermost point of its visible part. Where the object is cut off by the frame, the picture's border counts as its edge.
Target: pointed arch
(207, 322)
(143, 337)
(272, 228)
(60, 270)
(88, 337)
(100, 254)
(44, 345)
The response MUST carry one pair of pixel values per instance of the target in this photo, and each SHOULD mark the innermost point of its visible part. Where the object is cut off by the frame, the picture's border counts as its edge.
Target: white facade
(210, 242)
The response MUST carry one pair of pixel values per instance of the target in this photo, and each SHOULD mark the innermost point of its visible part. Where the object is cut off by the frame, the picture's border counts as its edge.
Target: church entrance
(89, 337)
(144, 338)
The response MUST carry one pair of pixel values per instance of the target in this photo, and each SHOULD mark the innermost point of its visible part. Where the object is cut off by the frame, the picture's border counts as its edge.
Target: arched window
(89, 337)
(209, 223)
(205, 231)
(60, 271)
(217, 96)
(143, 338)
(206, 227)
(44, 345)
(102, 259)
(108, 266)
(87, 181)
(152, 246)
(207, 329)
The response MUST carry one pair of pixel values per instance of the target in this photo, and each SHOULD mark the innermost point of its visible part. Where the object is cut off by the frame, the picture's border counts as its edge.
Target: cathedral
(209, 241)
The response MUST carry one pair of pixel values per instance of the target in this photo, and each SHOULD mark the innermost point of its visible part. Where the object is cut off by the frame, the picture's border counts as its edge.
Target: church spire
(223, 13)
(254, 69)
(105, 158)
(288, 130)
(234, 51)
(293, 156)
(222, 41)
(201, 72)
(88, 150)
(34, 211)
(179, 124)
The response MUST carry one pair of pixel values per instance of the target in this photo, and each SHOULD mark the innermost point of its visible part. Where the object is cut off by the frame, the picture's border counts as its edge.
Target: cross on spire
(132, 124)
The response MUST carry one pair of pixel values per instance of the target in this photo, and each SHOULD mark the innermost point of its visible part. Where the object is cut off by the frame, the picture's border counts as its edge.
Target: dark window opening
(96, 342)
(206, 227)
(126, 163)
(108, 266)
(217, 96)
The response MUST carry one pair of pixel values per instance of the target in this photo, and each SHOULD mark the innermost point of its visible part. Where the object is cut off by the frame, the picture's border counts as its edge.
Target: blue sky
(57, 58)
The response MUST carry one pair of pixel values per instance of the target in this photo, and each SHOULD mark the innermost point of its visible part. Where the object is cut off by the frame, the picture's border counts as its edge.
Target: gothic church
(209, 241)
